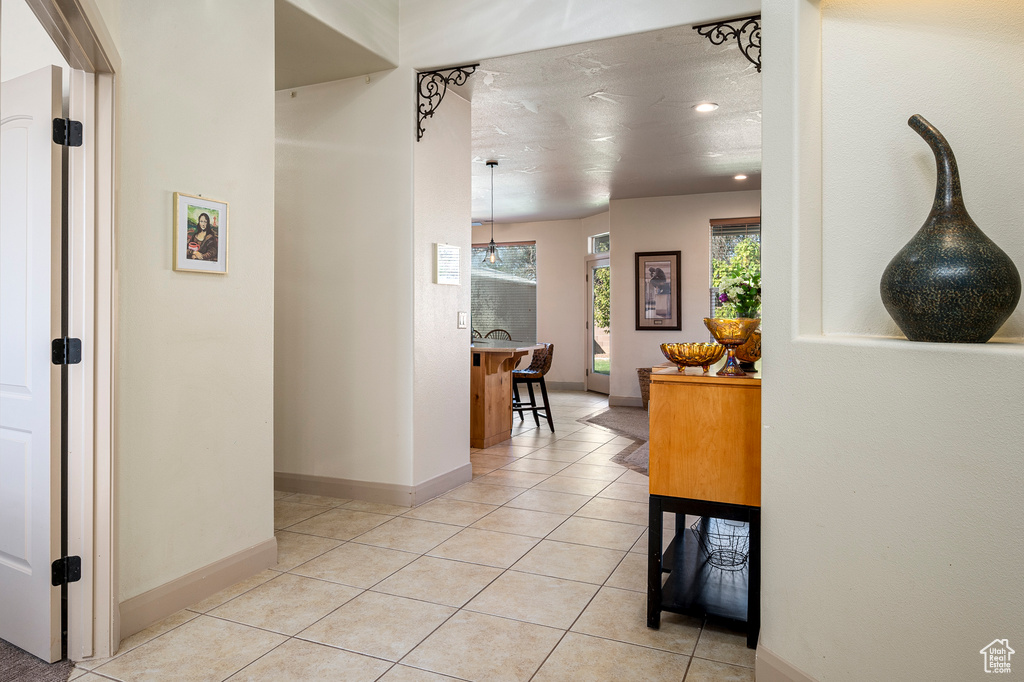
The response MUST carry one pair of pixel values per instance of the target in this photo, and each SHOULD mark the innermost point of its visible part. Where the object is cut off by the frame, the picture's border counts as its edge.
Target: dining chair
(498, 334)
(534, 374)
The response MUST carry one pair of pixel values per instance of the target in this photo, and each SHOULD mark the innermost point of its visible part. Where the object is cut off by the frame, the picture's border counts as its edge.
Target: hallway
(535, 570)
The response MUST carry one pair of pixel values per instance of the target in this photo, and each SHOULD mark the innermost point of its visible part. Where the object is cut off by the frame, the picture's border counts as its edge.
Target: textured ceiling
(573, 127)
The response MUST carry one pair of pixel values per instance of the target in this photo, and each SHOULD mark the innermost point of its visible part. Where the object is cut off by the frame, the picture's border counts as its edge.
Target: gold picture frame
(200, 234)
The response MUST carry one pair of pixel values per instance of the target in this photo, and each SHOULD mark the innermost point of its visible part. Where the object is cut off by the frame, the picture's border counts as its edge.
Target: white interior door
(30, 318)
(599, 338)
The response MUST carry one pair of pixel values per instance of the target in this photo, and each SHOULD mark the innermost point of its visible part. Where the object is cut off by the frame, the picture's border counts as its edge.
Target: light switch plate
(463, 320)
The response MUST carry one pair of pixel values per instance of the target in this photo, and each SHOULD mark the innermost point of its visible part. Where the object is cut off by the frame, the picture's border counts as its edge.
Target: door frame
(79, 32)
(588, 334)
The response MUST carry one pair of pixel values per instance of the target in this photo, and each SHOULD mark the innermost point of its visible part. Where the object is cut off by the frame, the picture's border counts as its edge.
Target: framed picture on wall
(658, 301)
(200, 234)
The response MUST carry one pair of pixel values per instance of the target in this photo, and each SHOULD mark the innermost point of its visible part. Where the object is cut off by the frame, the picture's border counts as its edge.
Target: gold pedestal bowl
(731, 332)
(685, 355)
(751, 350)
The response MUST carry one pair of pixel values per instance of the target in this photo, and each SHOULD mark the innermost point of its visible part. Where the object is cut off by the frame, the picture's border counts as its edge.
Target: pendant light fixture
(492, 258)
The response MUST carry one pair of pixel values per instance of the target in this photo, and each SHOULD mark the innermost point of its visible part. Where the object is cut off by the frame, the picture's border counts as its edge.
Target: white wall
(194, 380)
(891, 470)
(437, 33)
(26, 46)
(679, 223)
(560, 289)
(371, 23)
(443, 203)
(345, 284)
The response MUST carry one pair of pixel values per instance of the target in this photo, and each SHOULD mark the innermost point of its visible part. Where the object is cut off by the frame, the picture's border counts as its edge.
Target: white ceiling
(573, 127)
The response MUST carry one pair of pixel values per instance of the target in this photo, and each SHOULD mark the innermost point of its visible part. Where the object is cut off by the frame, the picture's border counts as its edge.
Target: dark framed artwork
(658, 300)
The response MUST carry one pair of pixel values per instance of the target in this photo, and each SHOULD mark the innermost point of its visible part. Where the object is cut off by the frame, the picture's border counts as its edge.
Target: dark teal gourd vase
(950, 283)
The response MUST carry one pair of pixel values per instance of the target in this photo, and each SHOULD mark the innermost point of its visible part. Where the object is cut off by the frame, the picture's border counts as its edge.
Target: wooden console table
(490, 405)
(705, 460)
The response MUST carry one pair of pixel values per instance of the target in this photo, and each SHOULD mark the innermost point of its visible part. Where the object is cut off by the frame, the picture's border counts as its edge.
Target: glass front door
(599, 338)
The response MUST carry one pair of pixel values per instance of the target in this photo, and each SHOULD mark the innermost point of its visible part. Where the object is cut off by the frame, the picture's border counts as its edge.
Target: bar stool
(539, 366)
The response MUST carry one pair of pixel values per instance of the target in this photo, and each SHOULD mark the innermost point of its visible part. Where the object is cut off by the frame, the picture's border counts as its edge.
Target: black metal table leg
(654, 543)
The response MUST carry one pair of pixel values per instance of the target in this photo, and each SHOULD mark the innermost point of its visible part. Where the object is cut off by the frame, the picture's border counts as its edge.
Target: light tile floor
(535, 570)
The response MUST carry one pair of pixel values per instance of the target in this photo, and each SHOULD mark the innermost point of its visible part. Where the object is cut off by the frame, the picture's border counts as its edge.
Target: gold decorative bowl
(751, 350)
(731, 332)
(685, 355)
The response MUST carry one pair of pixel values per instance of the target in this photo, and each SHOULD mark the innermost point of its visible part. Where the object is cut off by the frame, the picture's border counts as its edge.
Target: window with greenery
(504, 295)
(735, 261)
(601, 243)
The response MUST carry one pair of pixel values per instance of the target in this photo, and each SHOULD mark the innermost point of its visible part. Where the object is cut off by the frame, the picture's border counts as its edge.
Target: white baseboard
(139, 612)
(566, 385)
(625, 401)
(770, 668)
(387, 493)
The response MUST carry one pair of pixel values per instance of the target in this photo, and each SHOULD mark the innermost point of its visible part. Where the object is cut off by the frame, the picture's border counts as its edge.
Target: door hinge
(66, 351)
(67, 133)
(588, 371)
(66, 570)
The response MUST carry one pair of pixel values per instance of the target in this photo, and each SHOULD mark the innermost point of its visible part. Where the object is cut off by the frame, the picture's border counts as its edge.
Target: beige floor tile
(631, 573)
(403, 673)
(549, 501)
(536, 466)
(571, 562)
(524, 647)
(587, 436)
(379, 625)
(640, 546)
(508, 450)
(485, 547)
(600, 459)
(726, 646)
(598, 533)
(713, 671)
(616, 510)
(560, 483)
(590, 471)
(488, 494)
(579, 657)
(203, 649)
(627, 491)
(298, 660)
(521, 522)
(630, 476)
(447, 510)
(409, 535)
(280, 494)
(318, 500)
(481, 470)
(340, 523)
(288, 513)
(356, 564)
(533, 439)
(439, 581)
(295, 548)
(229, 593)
(286, 604)
(86, 676)
(611, 448)
(140, 638)
(574, 445)
(376, 507)
(496, 461)
(534, 598)
(516, 479)
(622, 615)
(556, 455)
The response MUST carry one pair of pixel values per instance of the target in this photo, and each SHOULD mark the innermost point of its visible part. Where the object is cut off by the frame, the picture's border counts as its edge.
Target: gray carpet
(630, 422)
(19, 666)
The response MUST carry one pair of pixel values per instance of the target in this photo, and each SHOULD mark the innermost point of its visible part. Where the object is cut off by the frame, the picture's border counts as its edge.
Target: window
(504, 295)
(726, 235)
(601, 243)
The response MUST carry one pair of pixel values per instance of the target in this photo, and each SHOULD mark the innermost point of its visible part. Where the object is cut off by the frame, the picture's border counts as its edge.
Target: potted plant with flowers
(739, 285)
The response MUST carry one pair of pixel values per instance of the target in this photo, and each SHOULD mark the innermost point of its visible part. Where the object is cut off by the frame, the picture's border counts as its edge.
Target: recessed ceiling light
(740, 177)
(705, 107)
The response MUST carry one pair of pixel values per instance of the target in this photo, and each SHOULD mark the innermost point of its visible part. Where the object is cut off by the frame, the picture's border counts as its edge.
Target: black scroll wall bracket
(431, 89)
(746, 31)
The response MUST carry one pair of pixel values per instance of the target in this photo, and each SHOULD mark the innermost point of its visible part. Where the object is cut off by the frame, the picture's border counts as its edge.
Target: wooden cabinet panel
(705, 438)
